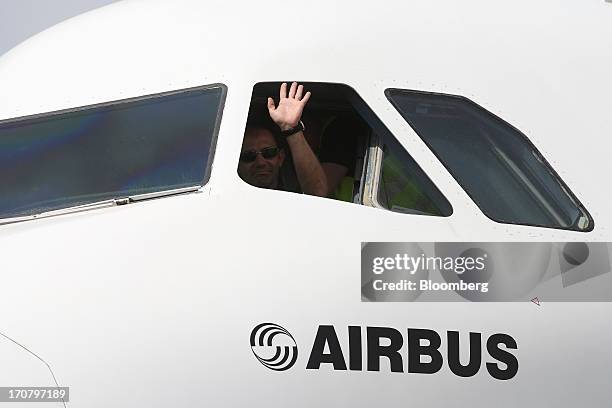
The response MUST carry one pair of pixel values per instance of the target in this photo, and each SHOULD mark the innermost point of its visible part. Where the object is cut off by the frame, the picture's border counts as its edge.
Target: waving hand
(290, 107)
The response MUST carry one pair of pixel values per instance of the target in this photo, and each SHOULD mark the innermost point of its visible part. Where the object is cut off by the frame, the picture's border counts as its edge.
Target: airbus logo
(412, 350)
(274, 346)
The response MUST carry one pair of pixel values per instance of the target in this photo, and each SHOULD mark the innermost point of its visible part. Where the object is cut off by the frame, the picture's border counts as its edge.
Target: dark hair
(259, 118)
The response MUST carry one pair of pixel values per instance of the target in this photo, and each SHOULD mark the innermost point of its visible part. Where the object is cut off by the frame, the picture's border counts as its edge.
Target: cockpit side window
(116, 150)
(360, 158)
(495, 163)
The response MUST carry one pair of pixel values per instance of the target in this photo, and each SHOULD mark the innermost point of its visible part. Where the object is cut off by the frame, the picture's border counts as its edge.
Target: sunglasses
(250, 155)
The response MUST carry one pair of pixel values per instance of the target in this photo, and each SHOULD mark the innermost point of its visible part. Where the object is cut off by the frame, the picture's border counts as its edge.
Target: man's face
(261, 172)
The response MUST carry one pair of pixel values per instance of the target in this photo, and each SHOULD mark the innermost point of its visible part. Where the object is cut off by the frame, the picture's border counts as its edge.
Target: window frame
(371, 175)
(390, 92)
(138, 197)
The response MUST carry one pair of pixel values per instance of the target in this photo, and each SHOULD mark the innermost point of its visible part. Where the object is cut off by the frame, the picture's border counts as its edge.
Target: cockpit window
(113, 150)
(333, 136)
(494, 162)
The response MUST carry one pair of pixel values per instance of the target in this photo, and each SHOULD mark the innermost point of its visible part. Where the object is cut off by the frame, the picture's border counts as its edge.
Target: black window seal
(389, 92)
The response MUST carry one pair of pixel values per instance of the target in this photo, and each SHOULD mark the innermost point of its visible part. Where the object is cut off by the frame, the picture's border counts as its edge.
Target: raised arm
(287, 116)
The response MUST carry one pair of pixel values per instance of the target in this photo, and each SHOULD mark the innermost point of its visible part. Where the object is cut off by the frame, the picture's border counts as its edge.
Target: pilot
(262, 153)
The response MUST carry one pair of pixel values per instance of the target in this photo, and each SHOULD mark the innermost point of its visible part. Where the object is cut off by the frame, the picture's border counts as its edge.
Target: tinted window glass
(494, 162)
(119, 149)
(404, 187)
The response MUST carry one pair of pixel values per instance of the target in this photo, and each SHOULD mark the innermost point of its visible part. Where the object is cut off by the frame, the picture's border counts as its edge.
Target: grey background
(21, 19)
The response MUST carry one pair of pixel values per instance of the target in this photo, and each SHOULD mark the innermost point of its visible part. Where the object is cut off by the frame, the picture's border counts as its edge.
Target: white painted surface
(152, 304)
